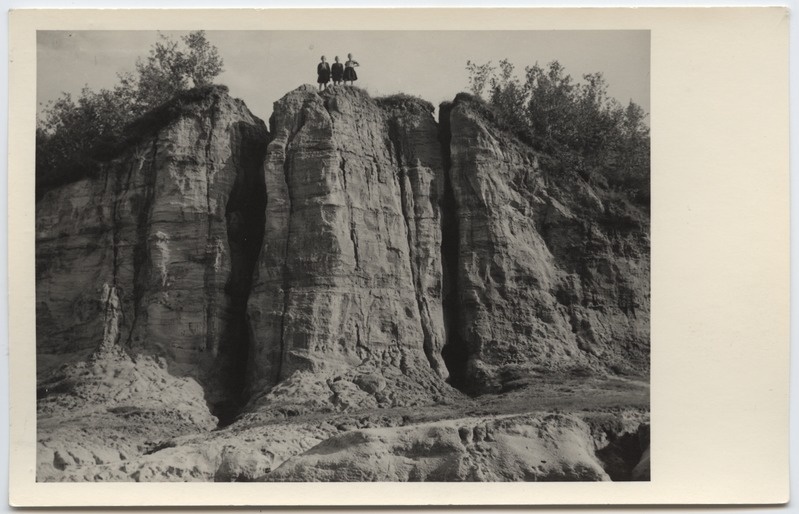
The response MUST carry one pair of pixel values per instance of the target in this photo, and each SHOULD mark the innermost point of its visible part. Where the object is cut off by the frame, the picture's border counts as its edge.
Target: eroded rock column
(349, 277)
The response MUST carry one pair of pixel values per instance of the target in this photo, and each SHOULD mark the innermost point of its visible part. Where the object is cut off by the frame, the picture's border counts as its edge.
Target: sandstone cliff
(172, 227)
(358, 256)
(349, 279)
(547, 271)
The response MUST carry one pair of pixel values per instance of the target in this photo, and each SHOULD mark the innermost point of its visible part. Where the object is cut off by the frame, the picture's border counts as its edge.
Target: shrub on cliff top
(405, 103)
(74, 135)
(577, 122)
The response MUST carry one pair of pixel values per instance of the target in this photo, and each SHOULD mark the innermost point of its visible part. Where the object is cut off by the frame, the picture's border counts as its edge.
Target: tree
(203, 60)
(75, 133)
(550, 105)
(172, 67)
(508, 96)
(479, 76)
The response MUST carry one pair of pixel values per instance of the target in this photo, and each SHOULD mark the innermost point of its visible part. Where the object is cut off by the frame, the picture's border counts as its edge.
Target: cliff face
(349, 279)
(358, 255)
(171, 228)
(547, 271)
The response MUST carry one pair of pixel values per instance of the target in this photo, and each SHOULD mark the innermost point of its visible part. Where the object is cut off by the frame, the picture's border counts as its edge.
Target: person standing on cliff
(338, 72)
(349, 70)
(323, 73)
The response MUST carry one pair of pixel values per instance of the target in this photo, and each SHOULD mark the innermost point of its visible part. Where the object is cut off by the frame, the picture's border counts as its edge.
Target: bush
(406, 103)
(575, 122)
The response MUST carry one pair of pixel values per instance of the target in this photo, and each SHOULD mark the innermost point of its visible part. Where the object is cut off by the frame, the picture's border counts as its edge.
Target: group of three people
(339, 72)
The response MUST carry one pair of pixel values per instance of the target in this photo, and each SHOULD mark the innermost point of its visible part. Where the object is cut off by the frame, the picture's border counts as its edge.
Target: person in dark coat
(338, 72)
(349, 70)
(323, 73)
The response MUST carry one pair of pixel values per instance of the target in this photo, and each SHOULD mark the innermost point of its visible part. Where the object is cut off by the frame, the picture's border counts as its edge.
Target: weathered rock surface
(112, 408)
(518, 448)
(235, 454)
(317, 284)
(173, 226)
(349, 280)
(381, 445)
(547, 272)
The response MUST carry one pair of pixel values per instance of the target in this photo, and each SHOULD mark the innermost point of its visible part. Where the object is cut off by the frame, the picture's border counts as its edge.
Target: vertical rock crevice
(348, 198)
(114, 228)
(285, 276)
(211, 246)
(245, 222)
(342, 164)
(109, 297)
(141, 251)
(408, 216)
(454, 353)
(112, 312)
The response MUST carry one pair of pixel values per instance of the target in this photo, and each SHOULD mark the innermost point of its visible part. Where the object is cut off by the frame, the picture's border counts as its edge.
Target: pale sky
(262, 66)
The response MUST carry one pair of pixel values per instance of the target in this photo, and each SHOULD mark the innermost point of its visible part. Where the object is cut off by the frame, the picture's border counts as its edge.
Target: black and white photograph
(347, 258)
(303, 256)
